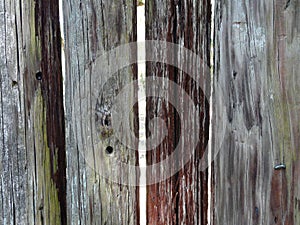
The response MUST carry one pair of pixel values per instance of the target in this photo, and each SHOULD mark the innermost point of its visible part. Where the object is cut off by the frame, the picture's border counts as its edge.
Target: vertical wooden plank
(257, 67)
(286, 111)
(12, 144)
(53, 204)
(32, 120)
(93, 28)
(183, 198)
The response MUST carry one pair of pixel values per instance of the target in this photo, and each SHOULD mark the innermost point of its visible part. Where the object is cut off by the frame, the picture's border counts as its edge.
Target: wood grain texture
(181, 199)
(32, 161)
(93, 28)
(12, 124)
(257, 67)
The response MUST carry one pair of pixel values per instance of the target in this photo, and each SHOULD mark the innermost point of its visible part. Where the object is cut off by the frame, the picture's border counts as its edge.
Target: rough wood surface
(182, 199)
(257, 66)
(32, 149)
(91, 29)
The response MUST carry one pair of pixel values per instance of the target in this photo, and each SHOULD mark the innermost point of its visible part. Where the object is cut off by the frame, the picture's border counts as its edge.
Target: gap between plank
(142, 111)
(63, 59)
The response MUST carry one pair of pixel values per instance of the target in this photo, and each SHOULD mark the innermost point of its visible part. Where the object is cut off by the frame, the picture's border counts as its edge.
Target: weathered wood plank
(257, 67)
(12, 145)
(93, 28)
(33, 185)
(181, 199)
(52, 114)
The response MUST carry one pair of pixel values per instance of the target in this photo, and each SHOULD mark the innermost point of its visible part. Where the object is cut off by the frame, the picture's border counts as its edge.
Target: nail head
(280, 166)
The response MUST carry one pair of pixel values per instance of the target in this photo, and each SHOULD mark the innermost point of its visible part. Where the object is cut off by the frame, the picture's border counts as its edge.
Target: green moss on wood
(47, 191)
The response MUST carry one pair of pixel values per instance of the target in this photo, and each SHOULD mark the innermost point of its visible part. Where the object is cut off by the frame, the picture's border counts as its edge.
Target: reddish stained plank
(183, 198)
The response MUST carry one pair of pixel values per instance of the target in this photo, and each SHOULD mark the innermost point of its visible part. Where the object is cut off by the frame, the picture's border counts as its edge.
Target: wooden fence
(48, 177)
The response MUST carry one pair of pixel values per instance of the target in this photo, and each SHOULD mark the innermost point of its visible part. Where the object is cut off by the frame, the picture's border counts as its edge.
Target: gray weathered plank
(12, 147)
(91, 29)
(257, 67)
